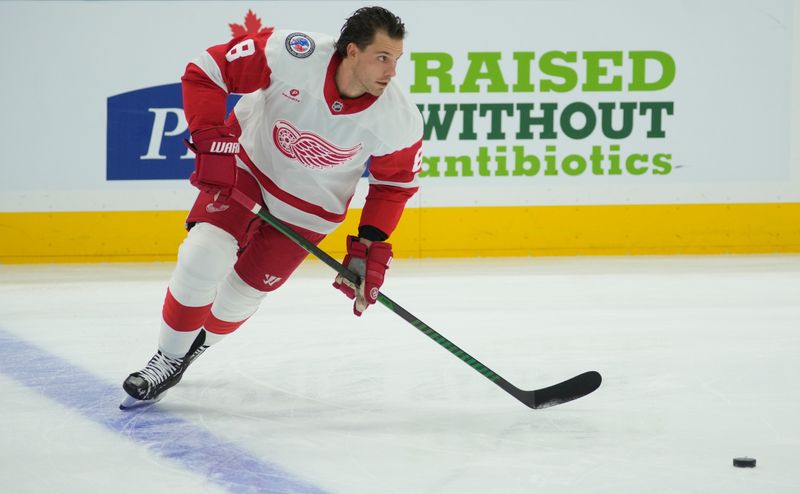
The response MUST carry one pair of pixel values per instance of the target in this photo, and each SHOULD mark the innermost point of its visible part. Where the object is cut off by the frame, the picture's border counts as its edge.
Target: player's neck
(346, 82)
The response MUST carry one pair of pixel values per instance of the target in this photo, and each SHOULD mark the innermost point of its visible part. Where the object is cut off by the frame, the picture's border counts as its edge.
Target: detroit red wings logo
(310, 149)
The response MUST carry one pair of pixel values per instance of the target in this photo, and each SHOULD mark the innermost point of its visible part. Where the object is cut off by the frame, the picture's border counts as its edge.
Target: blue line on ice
(167, 434)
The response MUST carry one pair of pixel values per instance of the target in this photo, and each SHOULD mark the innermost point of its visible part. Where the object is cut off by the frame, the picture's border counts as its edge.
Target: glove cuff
(355, 248)
(215, 140)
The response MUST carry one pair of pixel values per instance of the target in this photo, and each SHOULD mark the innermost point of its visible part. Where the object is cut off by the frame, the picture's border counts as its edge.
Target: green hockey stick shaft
(542, 398)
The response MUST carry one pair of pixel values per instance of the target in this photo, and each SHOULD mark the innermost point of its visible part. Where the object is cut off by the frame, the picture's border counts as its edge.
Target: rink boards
(540, 138)
(439, 232)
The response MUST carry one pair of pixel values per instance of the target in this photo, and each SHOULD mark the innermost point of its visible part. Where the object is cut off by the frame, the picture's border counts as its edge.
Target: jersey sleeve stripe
(403, 185)
(209, 66)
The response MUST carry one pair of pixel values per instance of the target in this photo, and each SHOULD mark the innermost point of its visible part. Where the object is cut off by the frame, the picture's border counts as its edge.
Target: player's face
(376, 65)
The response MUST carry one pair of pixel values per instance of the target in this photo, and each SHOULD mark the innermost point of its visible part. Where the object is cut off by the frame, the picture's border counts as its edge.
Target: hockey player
(314, 112)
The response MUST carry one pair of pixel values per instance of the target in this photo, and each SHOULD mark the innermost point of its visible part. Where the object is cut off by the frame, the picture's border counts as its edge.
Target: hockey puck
(744, 462)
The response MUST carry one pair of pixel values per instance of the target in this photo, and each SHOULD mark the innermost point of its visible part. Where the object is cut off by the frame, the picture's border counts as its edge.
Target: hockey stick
(571, 389)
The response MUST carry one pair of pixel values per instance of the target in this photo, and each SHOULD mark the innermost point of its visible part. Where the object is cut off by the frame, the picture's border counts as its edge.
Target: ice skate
(149, 385)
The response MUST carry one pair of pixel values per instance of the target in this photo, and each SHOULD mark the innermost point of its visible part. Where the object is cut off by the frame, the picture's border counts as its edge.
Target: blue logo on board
(145, 133)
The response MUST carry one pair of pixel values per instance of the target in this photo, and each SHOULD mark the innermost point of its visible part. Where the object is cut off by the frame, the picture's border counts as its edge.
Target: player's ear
(352, 49)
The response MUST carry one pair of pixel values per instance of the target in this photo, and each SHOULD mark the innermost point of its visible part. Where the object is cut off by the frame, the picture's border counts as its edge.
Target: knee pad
(236, 300)
(204, 258)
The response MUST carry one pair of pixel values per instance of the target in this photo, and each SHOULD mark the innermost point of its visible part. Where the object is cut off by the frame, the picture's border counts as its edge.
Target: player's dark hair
(360, 28)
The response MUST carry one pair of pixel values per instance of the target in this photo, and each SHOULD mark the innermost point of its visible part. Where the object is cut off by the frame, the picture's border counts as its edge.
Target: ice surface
(700, 358)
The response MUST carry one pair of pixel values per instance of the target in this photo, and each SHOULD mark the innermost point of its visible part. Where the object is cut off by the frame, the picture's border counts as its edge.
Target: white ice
(700, 358)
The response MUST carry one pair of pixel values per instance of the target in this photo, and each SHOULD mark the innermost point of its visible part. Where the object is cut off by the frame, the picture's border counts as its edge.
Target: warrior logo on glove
(224, 147)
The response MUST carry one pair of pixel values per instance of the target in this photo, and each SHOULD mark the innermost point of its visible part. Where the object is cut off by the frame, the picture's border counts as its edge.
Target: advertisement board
(535, 104)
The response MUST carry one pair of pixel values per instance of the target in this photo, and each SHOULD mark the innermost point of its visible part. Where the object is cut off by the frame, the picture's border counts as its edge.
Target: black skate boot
(197, 349)
(150, 384)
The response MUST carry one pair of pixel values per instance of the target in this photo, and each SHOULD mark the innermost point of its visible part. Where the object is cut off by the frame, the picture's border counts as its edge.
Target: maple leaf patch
(252, 25)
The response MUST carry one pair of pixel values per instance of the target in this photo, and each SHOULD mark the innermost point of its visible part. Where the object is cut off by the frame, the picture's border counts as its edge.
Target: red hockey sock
(182, 318)
(220, 327)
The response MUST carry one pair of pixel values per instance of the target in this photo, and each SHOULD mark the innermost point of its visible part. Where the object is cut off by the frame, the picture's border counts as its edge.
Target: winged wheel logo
(310, 149)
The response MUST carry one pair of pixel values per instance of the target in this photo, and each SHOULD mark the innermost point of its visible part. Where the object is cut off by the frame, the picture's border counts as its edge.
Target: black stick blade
(571, 389)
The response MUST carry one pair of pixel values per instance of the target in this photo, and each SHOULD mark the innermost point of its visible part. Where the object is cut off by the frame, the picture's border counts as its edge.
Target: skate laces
(160, 368)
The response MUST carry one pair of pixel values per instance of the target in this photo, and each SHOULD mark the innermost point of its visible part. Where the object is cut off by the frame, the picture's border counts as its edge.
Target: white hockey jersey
(307, 145)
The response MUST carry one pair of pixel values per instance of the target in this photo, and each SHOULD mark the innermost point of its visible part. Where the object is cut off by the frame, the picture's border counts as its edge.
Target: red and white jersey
(306, 145)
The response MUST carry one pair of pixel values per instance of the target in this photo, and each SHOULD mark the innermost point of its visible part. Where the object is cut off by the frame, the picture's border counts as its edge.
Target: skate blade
(130, 402)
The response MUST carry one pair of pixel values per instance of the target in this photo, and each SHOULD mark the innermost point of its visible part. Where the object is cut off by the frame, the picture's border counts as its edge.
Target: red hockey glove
(215, 163)
(370, 263)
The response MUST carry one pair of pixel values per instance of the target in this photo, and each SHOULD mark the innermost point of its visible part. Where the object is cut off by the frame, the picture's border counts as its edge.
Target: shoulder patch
(299, 45)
